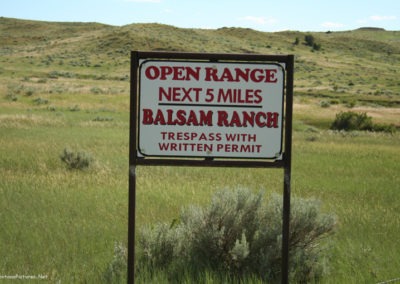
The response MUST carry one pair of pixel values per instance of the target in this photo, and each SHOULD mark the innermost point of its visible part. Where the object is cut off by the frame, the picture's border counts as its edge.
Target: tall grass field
(66, 225)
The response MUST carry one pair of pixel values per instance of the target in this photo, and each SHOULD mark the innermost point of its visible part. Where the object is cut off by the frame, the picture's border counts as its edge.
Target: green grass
(358, 179)
(64, 223)
(59, 221)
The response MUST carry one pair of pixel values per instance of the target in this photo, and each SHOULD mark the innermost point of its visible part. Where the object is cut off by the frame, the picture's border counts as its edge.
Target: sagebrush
(79, 160)
(116, 270)
(238, 234)
(350, 121)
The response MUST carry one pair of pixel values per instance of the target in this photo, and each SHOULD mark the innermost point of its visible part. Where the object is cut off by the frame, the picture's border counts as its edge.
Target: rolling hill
(360, 66)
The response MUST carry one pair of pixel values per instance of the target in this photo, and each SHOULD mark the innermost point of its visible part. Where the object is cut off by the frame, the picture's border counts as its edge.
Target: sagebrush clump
(238, 234)
(116, 270)
(350, 121)
(76, 160)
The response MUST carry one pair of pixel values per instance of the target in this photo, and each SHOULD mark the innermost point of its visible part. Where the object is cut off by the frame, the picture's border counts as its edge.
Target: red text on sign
(177, 94)
(177, 73)
(241, 75)
(205, 118)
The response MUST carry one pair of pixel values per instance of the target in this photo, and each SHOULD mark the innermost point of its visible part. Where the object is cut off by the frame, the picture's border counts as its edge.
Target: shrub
(40, 101)
(309, 39)
(350, 120)
(350, 103)
(388, 128)
(12, 97)
(75, 108)
(239, 234)
(76, 160)
(316, 46)
(101, 118)
(96, 90)
(53, 75)
(116, 270)
(29, 92)
(325, 104)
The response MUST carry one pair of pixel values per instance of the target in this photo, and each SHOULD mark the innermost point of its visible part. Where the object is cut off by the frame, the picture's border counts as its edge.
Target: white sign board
(207, 109)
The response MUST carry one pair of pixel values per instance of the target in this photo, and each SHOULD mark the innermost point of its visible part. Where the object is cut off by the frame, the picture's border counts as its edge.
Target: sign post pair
(213, 110)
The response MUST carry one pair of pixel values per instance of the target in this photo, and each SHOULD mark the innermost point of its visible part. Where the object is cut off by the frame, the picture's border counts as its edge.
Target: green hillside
(361, 65)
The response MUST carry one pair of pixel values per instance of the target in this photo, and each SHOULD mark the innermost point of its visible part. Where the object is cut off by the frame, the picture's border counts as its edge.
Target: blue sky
(263, 15)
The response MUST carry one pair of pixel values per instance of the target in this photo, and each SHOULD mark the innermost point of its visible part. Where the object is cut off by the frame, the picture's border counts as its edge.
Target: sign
(188, 108)
(210, 109)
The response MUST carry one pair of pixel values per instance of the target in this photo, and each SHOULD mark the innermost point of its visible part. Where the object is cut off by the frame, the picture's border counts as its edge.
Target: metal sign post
(211, 110)
(287, 173)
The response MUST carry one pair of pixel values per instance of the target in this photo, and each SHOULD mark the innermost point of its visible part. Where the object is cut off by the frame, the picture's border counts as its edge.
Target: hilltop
(360, 66)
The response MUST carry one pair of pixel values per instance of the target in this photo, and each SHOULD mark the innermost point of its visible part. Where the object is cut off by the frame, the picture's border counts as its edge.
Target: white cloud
(376, 18)
(382, 18)
(332, 25)
(259, 20)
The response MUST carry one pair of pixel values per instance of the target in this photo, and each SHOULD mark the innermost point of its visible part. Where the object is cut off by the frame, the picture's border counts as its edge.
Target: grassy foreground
(64, 223)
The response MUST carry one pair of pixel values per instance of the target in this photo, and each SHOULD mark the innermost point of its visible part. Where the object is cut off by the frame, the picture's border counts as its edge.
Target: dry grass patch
(27, 121)
(312, 110)
(381, 115)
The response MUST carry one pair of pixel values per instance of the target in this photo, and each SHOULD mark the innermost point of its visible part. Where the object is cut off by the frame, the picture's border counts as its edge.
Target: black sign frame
(137, 160)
